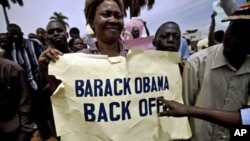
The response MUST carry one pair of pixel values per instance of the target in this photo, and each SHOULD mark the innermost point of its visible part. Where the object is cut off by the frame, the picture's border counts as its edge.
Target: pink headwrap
(134, 21)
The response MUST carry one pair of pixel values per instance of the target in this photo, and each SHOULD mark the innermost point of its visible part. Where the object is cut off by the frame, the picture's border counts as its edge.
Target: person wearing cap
(219, 78)
(168, 38)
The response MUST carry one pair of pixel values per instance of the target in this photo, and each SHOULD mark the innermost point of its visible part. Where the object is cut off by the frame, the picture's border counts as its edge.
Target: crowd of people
(216, 80)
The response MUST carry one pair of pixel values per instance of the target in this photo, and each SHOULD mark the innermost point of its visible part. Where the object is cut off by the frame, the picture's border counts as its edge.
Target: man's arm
(211, 30)
(50, 54)
(224, 118)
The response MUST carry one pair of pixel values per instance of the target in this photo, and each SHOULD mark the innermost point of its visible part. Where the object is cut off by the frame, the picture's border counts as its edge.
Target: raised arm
(211, 30)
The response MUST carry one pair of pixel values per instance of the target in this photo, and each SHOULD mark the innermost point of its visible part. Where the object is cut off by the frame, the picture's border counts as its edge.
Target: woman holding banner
(105, 17)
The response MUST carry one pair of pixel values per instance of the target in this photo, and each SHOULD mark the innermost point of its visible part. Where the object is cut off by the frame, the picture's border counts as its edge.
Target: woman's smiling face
(108, 21)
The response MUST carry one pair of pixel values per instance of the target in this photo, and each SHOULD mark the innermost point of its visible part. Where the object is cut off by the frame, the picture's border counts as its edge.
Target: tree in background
(58, 16)
(5, 4)
(135, 6)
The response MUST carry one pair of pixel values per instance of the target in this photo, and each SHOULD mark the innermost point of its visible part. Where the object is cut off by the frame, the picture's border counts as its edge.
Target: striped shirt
(94, 50)
(26, 56)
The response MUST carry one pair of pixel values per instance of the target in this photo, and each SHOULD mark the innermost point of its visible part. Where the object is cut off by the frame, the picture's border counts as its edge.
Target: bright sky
(189, 14)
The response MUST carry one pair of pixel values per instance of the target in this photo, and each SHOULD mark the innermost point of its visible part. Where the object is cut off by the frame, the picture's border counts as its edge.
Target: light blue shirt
(245, 116)
(184, 49)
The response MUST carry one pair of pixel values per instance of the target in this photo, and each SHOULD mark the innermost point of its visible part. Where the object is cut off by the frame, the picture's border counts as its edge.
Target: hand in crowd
(213, 14)
(173, 108)
(50, 54)
(37, 137)
(52, 138)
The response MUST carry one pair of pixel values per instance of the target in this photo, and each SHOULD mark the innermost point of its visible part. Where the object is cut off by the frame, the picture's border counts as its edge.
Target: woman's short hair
(71, 41)
(91, 5)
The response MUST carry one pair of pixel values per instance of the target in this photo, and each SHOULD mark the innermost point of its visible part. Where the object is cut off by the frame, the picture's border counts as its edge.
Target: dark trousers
(8, 136)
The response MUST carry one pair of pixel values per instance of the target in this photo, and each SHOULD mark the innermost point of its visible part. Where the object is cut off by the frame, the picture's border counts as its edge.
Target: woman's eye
(118, 16)
(106, 15)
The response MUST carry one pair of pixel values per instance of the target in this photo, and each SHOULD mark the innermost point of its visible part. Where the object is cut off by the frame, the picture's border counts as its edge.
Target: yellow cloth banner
(114, 98)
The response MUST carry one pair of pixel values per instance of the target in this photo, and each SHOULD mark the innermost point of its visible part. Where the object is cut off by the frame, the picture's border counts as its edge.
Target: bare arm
(50, 54)
(211, 30)
(224, 118)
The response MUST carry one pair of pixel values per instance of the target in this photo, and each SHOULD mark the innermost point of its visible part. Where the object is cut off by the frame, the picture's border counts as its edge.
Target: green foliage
(58, 16)
(136, 5)
(5, 3)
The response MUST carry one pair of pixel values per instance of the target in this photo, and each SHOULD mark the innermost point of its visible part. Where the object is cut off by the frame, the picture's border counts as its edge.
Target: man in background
(16, 122)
